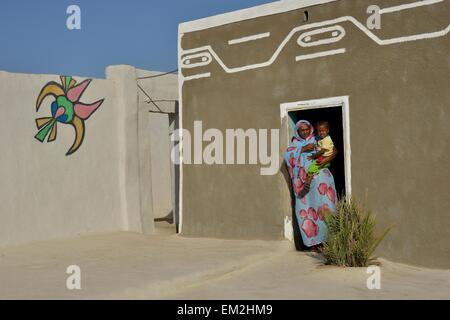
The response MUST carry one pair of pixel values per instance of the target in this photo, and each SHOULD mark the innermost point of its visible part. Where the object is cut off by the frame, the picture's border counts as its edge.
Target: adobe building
(384, 90)
(101, 166)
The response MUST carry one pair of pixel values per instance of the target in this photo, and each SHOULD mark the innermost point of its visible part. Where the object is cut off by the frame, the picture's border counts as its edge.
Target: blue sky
(35, 39)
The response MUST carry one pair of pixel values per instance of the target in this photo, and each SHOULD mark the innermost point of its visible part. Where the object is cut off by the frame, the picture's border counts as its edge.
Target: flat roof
(249, 13)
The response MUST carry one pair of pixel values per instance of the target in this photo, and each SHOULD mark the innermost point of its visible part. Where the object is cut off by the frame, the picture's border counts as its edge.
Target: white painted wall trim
(337, 34)
(198, 76)
(180, 119)
(304, 40)
(320, 54)
(249, 38)
(415, 4)
(362, 27)
(247, 14)
(342, 102)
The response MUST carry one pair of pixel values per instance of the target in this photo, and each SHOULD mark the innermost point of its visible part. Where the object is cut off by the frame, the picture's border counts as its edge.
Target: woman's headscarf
(297, 135)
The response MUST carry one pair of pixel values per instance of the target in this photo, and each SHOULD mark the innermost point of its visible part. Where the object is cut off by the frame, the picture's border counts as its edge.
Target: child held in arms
(325, 147)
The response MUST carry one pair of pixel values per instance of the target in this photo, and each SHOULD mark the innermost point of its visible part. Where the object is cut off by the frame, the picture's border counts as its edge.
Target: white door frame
(342, 102)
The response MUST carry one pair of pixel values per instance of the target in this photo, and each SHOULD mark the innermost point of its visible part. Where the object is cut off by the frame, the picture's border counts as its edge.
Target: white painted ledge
(246, 14)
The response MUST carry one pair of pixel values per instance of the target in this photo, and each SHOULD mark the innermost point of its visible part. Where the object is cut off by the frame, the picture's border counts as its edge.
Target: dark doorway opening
(334, 117)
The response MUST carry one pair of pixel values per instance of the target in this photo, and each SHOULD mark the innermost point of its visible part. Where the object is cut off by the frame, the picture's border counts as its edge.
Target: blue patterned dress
(321, 196)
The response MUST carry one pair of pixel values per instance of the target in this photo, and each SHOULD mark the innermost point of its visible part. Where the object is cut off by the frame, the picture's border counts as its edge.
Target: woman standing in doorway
(314, 195)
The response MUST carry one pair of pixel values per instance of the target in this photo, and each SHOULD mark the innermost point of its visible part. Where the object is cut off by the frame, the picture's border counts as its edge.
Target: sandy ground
(166, 266)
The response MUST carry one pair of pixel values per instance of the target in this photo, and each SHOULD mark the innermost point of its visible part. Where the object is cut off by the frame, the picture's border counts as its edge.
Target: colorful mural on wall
(66, 109)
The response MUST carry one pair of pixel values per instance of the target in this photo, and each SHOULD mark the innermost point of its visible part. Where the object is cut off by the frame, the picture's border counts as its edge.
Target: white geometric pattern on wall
(206, 54)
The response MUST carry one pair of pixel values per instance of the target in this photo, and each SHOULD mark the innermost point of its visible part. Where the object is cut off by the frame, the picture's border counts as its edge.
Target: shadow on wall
(173, 216)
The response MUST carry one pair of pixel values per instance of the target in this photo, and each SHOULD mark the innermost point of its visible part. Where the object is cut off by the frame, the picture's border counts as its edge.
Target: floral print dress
(321, 197)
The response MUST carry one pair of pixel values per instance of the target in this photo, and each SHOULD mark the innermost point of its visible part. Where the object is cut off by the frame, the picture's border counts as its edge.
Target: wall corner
(124, 78)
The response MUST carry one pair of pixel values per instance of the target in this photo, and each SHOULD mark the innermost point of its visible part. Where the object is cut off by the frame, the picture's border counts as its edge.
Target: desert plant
(351, 235)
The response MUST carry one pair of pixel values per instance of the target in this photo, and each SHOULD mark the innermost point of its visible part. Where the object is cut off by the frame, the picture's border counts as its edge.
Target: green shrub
(351, 235)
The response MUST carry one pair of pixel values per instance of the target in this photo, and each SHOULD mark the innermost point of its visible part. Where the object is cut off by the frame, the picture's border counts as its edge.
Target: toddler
(325, 147)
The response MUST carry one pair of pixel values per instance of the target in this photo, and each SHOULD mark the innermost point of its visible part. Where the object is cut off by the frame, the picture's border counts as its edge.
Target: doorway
(336, 112)
(332, 115)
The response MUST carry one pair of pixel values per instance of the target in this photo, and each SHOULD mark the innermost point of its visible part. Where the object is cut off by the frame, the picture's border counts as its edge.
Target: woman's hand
(309, 147)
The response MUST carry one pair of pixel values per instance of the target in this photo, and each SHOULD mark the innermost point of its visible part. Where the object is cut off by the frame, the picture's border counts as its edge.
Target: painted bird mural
(66, 109)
